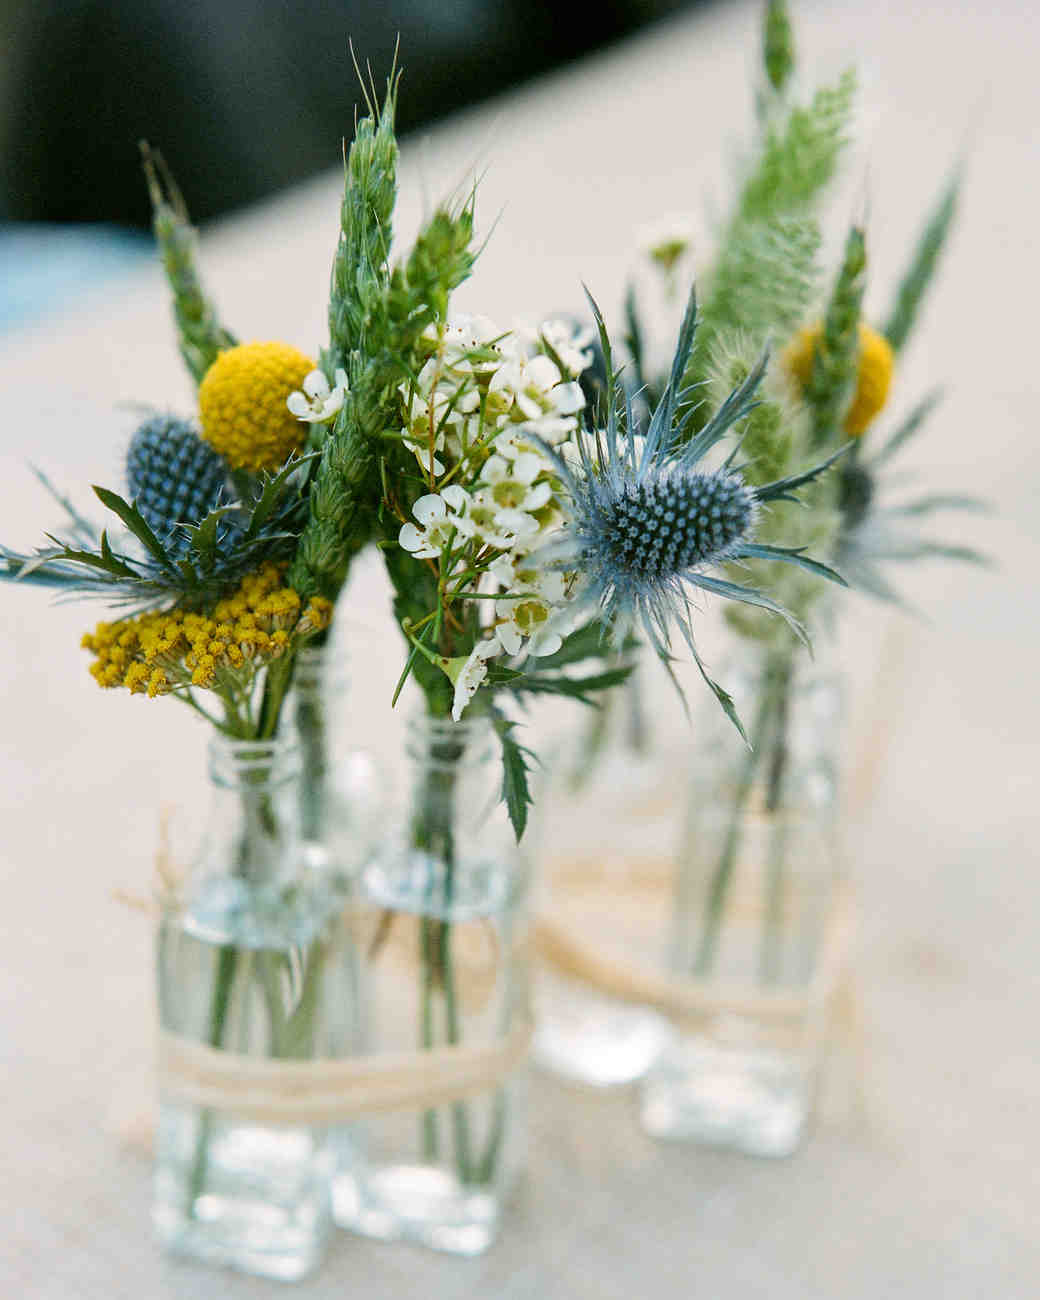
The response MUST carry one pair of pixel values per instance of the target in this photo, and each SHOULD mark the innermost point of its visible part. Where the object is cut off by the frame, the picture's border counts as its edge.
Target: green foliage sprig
(777, 45)
(347, 487)
(921, 271)
(360, 271)
(200, 335)
(765, 267)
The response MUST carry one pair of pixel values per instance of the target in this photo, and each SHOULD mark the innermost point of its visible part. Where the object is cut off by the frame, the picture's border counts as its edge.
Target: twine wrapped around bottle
(319, 1092)
(333, 1091)
(786, 1016)
(688, 1001)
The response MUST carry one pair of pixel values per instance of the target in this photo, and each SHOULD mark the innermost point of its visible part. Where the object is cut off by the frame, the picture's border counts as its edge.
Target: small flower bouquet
(758, 911)
(527, 535)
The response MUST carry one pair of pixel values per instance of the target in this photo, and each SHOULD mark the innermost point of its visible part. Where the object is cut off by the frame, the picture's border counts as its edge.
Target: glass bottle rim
(426, 733)
(234, 762)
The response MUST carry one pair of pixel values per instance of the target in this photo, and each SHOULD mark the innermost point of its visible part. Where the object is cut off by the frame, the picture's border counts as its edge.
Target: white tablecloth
(934, 1193)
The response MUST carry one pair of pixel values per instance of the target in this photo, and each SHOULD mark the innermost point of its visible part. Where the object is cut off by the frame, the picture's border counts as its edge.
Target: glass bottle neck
(253, 831)
(439, 742)
(319, 670)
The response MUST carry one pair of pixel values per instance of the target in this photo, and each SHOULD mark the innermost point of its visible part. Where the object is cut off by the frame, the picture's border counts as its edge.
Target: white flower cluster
(480, 414)
(477, 382)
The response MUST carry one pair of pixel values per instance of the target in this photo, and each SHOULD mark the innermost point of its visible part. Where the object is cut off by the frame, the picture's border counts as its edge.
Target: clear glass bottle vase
(755, 916)
(248, 964)
(612, 813)
(444, 967)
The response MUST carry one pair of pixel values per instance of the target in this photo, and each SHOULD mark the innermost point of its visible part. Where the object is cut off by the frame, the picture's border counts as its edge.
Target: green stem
(720, 883)
(259, 818)
(769, 961)
(311, 729)
(434, 832)
(430, 1138)
(227, 957)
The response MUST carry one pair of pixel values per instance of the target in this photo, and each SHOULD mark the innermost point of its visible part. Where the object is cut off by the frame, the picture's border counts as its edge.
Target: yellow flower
(242, 404)
(876, 360)
(136, 679)
(155, 653)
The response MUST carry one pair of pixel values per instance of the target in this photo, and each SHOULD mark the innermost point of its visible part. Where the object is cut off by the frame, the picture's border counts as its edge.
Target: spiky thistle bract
(192, 566)
(876, 532)
(648, 522)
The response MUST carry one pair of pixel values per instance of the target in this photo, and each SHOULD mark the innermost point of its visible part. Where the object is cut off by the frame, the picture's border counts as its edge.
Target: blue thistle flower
(173, 477)
(646, 524)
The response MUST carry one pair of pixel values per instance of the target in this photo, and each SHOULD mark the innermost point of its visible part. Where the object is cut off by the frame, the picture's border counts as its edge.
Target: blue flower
(647, 522)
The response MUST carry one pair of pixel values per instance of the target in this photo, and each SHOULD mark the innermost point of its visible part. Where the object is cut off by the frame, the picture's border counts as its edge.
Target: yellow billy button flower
(876, 361)
(242, 404)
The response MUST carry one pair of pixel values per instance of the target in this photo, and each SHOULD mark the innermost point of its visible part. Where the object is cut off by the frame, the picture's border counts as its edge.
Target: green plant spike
(200, 335)
(836, 360)
(777, 44)
(346, 490)
(799, 158)
(919, 273)
(359, 270)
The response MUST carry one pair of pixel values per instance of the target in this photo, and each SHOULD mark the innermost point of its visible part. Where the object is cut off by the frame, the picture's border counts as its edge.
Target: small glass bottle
(445, 967)
(754, 916)
(247, 965)
(611, 821)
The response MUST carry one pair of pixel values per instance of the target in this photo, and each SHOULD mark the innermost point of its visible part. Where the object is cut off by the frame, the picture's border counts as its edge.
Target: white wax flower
(441, 514)
(318, 403)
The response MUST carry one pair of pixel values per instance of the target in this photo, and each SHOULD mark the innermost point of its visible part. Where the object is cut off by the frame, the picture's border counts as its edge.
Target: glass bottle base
(747, 1099)
(594, 1040)
(264, 1205)
(417, 1203)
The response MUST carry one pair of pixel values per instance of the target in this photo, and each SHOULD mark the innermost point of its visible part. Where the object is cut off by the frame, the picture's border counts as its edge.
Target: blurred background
(243, 97)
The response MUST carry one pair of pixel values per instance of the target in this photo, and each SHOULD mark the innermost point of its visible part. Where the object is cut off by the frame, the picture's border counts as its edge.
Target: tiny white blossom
(318, 403)
(526, 616)
(572, 344)
(513, 487)
(441, 514)
(523, 574)
(429, 462)
(530, 606)
(503, 529)
(471, 675)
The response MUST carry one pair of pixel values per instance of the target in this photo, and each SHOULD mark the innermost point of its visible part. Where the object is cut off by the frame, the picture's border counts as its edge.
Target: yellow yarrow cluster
(156, 652)
(876, 361)
(242, 404)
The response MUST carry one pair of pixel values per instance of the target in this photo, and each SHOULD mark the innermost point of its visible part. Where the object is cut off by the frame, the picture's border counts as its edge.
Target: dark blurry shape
(246, 96)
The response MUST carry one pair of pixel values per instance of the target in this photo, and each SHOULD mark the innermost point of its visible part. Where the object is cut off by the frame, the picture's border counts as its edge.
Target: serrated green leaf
(516, 793)
(135, 522)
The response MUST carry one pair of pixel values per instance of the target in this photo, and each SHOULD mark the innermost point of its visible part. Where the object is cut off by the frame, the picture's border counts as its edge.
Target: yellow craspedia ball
(242, 404)
(876, 360)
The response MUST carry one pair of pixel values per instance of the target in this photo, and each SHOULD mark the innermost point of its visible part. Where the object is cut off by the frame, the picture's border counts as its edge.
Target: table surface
(932, 1189)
